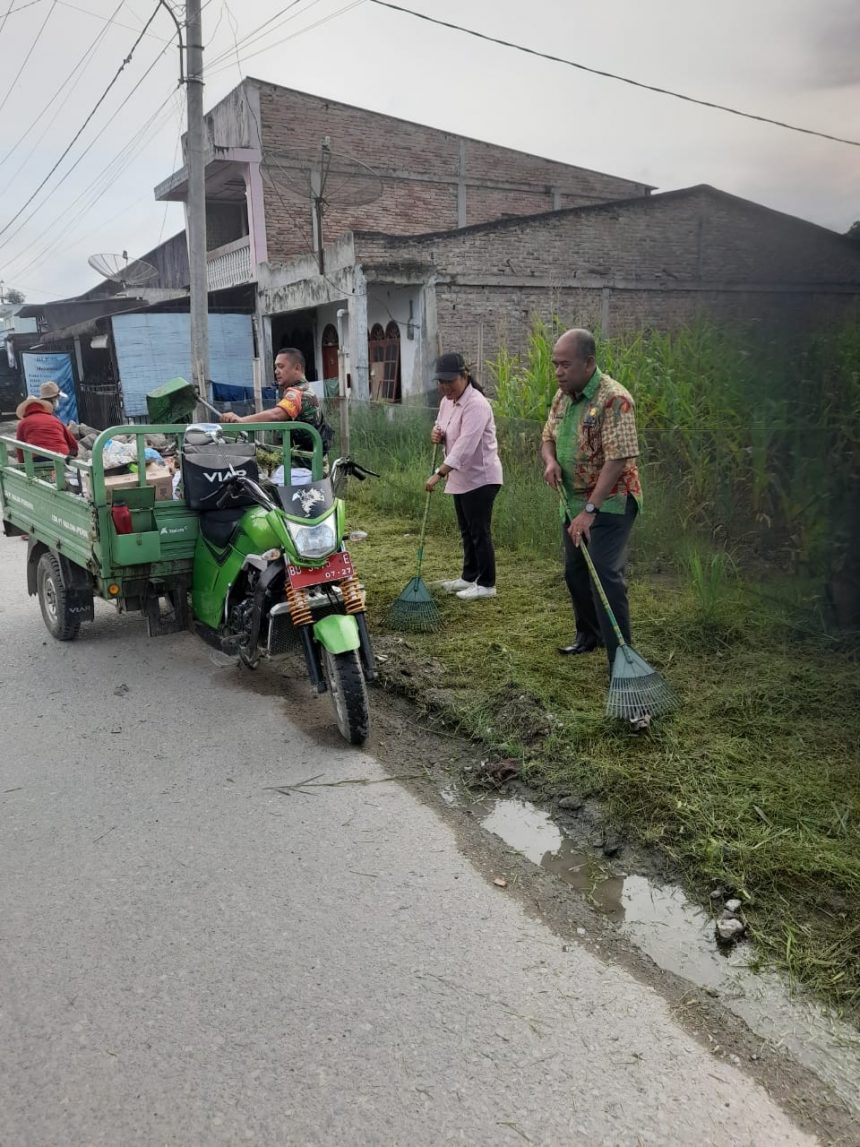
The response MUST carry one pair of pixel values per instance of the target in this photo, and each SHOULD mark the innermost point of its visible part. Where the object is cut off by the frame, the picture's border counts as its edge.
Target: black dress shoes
(581, 644)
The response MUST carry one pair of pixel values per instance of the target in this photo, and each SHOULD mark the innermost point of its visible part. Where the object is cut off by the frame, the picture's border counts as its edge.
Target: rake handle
(427, 498)
(601, 592)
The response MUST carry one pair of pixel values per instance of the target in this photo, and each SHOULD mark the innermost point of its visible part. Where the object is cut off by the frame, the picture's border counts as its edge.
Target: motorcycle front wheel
(348, 691)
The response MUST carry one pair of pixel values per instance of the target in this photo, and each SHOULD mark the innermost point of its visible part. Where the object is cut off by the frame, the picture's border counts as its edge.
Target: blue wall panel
(153, 348)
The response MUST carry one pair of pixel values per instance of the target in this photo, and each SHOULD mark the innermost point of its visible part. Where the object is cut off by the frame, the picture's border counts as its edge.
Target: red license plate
(338, 567)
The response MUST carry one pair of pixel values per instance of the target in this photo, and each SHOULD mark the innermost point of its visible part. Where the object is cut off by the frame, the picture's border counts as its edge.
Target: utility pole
(196, 213)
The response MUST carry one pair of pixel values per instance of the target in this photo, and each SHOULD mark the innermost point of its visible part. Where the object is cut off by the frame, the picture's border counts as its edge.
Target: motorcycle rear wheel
(348, 691)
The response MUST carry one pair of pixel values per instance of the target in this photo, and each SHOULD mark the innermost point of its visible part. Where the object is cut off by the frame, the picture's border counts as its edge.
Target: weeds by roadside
(750, 460)
(754, 785)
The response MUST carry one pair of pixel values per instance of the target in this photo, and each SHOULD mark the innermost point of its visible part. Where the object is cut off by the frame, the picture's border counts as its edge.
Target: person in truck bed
(40, 426)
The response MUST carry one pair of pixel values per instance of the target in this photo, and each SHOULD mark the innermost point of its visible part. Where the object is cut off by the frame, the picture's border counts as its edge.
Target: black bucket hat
(449, 366)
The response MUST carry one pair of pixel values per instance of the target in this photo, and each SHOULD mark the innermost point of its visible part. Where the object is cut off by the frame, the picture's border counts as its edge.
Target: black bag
(206, 468)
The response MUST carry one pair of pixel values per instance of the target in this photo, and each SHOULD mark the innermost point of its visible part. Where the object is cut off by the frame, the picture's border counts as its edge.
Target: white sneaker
(475, 591)
(456, 585)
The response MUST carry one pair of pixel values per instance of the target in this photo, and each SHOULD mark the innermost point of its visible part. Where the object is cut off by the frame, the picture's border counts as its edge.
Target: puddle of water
(679, 936)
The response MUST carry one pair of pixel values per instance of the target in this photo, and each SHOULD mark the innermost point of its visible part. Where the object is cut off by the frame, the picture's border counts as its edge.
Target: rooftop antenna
(119, 269)
(326, 179)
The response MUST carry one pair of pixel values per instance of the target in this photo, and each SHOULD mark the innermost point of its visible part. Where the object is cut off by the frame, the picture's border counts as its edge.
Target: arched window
(376, 343)
(383, 352)
(391, 388)
(330, 347)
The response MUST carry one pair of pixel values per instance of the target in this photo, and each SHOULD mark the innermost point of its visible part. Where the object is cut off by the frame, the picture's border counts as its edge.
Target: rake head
(637, 690)
(415, 609)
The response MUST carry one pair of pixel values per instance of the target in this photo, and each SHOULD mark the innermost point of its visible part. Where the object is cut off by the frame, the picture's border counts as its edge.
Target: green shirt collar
(590, 388)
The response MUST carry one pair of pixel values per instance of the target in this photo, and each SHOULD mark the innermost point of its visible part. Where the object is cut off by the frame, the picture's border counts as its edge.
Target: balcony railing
(230, 265)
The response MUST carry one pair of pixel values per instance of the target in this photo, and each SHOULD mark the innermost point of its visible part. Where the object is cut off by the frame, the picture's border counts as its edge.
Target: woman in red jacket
(39, 424)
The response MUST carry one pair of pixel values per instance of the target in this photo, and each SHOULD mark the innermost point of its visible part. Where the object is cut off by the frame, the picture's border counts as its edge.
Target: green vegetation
(753, 441)
(755, 783)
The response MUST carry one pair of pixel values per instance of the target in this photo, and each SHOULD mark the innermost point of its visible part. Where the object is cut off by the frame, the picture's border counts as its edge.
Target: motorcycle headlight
(313, 541)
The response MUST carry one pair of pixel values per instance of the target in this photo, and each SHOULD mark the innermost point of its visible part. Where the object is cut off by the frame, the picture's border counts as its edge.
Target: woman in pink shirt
(471, 471)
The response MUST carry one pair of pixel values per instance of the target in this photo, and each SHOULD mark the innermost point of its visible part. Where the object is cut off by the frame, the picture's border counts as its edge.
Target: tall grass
(749, 440)
(749, 446)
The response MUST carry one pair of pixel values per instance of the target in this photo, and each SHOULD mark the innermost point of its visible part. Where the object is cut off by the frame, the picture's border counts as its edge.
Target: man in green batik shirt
(589, 447)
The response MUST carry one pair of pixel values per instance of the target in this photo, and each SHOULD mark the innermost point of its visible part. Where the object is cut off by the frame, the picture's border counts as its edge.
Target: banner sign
(39, 368)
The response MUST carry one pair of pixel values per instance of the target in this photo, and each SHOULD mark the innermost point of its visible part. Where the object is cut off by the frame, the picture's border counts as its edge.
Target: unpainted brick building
(433, 240)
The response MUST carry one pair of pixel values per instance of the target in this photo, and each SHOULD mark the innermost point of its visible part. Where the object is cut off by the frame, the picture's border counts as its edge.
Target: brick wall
(659, 262)
(698, 236)
(496, 316)
(420, 168)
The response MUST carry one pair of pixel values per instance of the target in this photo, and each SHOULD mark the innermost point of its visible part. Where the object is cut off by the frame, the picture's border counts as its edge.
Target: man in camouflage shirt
(589, 449)
(296, 401)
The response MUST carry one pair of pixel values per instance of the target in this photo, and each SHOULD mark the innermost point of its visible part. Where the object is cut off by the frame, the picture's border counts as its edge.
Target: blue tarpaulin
(151, 349)
(223, 393)
(39, 368)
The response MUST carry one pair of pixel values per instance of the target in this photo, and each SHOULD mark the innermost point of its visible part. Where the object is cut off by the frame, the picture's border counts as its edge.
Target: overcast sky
(792, 60)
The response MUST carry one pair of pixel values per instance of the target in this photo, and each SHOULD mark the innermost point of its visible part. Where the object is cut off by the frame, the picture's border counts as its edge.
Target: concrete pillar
(430, 338)
(359, 366)
(264, 339)
(461, 186)
(256, 216)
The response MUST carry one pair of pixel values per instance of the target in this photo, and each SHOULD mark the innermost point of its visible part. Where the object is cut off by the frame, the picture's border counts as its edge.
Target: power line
(295, 35)
(173, 168)
(83, 154)
(234, 28)
(6, 15)
(255, 31)
(83, 126)
(11, 87)
(103, 182)
(82, 63)
(613, 76)
(10, 11)
(110, 20)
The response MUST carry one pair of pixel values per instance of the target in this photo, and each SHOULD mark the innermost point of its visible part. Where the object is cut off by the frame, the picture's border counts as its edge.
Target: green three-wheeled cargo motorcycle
(256, 568)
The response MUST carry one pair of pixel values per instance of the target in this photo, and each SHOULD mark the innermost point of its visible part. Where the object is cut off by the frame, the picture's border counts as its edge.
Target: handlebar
(237, 482)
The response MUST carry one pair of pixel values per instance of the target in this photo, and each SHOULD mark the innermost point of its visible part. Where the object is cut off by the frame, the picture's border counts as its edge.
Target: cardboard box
(157, 475)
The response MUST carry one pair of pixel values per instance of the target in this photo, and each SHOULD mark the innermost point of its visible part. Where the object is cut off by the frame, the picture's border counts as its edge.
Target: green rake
(637, 692)
(415, 608)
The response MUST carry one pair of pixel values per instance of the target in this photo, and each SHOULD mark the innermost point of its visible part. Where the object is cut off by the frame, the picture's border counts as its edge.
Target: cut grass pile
(754, 784)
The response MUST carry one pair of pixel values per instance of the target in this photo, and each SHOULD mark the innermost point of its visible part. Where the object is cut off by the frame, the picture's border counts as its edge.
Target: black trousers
(474, 515)
(610, 537)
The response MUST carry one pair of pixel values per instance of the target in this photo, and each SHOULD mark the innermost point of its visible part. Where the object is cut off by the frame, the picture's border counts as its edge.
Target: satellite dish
(323, 178)
(120, 270)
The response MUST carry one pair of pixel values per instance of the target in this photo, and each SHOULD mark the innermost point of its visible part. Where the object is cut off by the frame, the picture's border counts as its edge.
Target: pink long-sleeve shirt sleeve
(471, 450)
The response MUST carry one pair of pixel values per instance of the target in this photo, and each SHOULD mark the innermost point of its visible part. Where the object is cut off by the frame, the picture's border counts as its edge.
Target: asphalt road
(188, 957)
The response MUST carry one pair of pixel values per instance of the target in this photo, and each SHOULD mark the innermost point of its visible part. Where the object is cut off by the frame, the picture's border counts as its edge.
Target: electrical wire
(10, 11)
(100, 184)
(208, 43)
(110, 20)
(294, 35)
(254, 33)
(82, 63)
(234, 28)
(80, 130)
(83, 154)
(614, 76)
(11, 87)
(99, 187)
(173, 168)
(103, 182)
